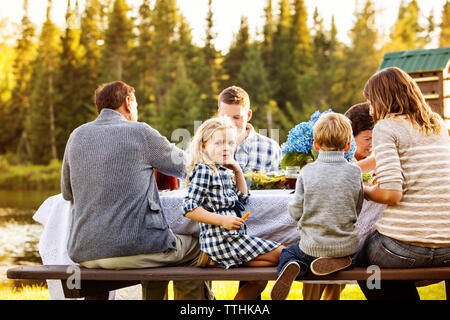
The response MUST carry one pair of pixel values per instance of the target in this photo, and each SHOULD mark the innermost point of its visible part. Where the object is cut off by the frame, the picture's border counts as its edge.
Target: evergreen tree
(302, 55)
(118, 39)
(194, 64)
(183, 104)
(211, 59)
(300, 36)
(407, 31)
(164, 23)
(143, 64)
(16, 137)
(318, 82)
(284, 75)
(91, 38)
(238, 50)
(40, 123)
(444, 37)
(362, 59)
(253, 77)
(70, 112)
(267, 43)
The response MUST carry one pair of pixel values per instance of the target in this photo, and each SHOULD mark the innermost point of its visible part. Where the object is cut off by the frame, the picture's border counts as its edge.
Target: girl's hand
(231, 222)
(232, 164)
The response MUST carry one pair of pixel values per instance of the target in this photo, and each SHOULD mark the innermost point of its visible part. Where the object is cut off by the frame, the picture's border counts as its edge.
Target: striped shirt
(419, 166)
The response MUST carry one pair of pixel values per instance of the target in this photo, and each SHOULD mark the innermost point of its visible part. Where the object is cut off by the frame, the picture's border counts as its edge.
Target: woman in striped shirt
(412, 151)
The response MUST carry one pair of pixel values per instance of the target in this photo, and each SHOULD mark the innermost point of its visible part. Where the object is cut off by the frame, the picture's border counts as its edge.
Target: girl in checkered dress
(216, 202)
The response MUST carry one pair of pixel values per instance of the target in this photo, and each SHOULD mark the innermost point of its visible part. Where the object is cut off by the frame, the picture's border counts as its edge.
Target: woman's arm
(227, 221)
(389, 197)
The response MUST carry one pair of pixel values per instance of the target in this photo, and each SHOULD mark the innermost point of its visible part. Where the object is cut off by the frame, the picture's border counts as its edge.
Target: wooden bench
(95, 283)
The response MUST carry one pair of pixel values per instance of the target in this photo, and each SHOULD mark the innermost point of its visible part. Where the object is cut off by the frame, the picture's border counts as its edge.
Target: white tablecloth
(269, 216)
(269, 219)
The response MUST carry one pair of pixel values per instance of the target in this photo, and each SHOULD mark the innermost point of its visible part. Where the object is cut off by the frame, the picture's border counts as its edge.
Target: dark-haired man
(117, 217)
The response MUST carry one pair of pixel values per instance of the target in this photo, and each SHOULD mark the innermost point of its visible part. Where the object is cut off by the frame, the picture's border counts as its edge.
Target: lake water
(19, 233)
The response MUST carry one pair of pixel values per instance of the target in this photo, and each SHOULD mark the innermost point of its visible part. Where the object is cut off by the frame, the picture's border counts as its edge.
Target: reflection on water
(19, 233)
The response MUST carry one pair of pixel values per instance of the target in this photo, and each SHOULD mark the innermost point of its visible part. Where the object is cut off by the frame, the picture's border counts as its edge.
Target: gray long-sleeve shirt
(328, 199)
(107, 174)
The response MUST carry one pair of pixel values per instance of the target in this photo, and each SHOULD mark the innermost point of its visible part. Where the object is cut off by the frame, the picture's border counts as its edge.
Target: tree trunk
(52, 118)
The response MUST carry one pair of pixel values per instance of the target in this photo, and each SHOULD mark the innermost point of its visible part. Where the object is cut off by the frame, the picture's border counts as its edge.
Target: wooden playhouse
(430, 68)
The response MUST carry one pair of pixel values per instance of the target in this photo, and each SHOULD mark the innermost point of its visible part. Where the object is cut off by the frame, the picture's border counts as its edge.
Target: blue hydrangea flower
(316, 115)
(350, 154)
(299, 139)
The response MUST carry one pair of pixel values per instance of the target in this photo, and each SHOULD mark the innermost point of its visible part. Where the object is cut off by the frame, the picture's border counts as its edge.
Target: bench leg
(447, 289)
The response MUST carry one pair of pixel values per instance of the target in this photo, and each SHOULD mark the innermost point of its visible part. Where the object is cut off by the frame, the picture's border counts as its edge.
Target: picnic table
(269, 219)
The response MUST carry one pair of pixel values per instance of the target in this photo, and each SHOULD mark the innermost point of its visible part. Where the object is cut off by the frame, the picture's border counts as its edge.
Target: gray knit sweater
(108, 175)
(328, 198)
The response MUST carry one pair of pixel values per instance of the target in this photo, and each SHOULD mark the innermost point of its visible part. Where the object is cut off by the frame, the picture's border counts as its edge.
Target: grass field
(225, 290)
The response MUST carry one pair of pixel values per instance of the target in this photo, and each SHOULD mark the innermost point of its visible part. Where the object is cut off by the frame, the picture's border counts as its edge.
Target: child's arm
(295, 208)
(241, 185)
(228, 222)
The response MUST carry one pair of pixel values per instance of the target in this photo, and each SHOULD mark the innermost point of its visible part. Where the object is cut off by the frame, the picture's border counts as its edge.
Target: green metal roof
(417, 60)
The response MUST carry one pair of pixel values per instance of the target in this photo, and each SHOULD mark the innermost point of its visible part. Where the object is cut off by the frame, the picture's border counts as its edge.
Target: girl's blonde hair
(201, 137)
(392, 92)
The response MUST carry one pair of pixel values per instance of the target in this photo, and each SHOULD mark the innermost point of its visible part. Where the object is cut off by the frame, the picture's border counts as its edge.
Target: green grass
(30, 177)
(225, 290)
(33, 292)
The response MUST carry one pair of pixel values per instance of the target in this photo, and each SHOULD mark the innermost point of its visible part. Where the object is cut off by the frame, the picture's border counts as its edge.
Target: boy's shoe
(205, 261)
(324, 266)
(282, 286)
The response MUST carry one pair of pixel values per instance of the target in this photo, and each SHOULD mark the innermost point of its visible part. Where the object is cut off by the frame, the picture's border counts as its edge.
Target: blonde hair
(392, 92)
(201, 137)
(333, 132)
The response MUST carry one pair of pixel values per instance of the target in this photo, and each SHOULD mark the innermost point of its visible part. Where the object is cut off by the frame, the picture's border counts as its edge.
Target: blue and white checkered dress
(258, 153)
(216, 192)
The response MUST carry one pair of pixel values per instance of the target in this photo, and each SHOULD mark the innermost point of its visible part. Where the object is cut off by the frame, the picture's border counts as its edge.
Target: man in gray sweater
(328, 199)
(117, 218)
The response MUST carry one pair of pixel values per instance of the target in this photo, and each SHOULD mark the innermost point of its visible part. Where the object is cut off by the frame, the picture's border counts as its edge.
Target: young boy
(254, 152)
(328, 198)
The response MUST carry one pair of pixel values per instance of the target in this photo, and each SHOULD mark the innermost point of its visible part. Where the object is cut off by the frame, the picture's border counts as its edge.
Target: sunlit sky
(227, 14)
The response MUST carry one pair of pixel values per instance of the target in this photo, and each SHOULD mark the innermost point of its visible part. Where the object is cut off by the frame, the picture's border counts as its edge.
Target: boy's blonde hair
(333, 132)
(392, 92)
(201, 137)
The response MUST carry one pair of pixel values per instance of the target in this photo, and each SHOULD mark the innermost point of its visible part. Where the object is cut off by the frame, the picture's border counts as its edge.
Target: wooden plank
(426, 79)
(196, 273)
